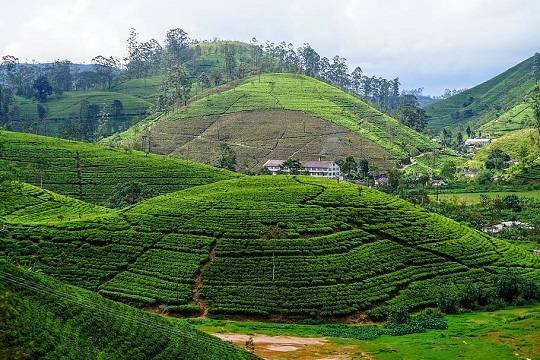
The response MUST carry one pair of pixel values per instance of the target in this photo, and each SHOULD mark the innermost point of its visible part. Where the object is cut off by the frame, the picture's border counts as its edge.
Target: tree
(88, 118)
(468, 131)
(116, 112)
(309, 60)
(497, 160)
(534, 100)
(459, 140)
(356, 79)
(105, 69)
(536, 67)
(413, 116)
(292, 165)
(349, 167)
(42, 111)
(129, 193)
(176, 45)
(59, 76)
(229, 52)
(448, 170)
(227, 158)
(42, 89)
(363, 166)
(6, 102)
(177, 85)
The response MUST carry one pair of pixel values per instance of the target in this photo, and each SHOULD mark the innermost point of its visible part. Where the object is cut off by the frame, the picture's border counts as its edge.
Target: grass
(305, 94)
(518, 117)
(273, 246)
(432, 162)
(43, 318)
(484, 102)
(503, 334)
(90, 172)
(474, 198)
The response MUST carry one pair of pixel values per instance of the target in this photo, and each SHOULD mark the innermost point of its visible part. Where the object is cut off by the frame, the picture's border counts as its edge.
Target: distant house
(438, 183)
(319, 168)
(497, 228)
(475, 143)
(469, 173)
(328, 169)
(273, 166)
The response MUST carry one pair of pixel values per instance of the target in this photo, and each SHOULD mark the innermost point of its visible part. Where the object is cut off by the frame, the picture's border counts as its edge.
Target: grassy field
(513, 143)
(484, 102)
(473, 198)
(45, 319)
(286, 92)
(512, 333)
(432, 162)
(518, 117)
(90, 172)
(268, 246)
(65, 108)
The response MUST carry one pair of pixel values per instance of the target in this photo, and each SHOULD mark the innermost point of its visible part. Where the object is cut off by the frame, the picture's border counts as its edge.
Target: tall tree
(356, 79)
(227, 158)
(42, 88)
(412, 116)
(105, 68)
(309, 60)
(42, 111)
(176, 45)
(177, 85)
(59, 76)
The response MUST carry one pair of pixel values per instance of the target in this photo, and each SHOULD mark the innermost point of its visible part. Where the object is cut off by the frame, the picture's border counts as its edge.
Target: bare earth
(292, 347)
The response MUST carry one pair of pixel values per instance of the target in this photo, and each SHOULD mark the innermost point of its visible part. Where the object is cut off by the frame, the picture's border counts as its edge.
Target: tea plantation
(91, 172)
(269, 246)
(288, 92)
(72, 323)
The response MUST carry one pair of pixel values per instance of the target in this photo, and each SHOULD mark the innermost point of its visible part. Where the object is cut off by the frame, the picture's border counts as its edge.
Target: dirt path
(295, 347)
(197, 282)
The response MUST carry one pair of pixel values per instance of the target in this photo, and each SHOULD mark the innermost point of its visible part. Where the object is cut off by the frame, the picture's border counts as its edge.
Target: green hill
(484, 102)
(146, 88)
(90, 172)
(278, 246)
(65, 108)
(518, 117)
(278, 116)
(45, 319)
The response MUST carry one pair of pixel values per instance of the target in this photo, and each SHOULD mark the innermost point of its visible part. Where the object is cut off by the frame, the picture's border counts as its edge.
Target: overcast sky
(434, 44)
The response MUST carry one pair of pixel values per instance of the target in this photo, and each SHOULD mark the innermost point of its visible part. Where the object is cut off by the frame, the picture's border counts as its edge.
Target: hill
(45, 319)
(65, 109)
(483, 102)
(518, 117)
(269, 246)
(517, 144)
(91, 172)
(278, 116)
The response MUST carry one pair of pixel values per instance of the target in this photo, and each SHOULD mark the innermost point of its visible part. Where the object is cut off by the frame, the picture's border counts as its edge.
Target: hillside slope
(483, 102)
(278, 116)
(65, 109)
(90, 172)
(45, 319)
(518, 117)
(268, 246)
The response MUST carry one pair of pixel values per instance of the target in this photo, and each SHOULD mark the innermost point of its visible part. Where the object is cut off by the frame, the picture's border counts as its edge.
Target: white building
(328, 169)
(475, 143)
(497, 228)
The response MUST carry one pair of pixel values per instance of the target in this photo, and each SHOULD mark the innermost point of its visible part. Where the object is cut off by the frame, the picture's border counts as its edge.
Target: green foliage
(497, 160)
(43, 318)
(282, 245)
(483, 102)
(295, 93)
(227, 158)
(129, 193)
(91, 172)
(412, 116)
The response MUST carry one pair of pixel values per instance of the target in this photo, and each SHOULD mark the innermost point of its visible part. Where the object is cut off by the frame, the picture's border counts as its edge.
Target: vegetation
(45, 319)
(92, 172)
(381, 251)
(483, 102)
(277, 92)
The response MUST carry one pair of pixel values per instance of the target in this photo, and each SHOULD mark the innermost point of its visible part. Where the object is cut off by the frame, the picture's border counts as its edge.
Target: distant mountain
(484, 102)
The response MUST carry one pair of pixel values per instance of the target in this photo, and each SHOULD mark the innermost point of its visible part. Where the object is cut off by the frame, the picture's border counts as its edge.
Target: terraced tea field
(267, 246)
(91, 172)
(279, 115)
(72, 323)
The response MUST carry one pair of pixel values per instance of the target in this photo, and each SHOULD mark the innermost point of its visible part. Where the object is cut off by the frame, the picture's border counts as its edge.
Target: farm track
(197, 282)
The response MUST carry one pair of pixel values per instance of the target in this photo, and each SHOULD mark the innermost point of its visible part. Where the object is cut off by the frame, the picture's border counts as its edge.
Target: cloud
(433, 44)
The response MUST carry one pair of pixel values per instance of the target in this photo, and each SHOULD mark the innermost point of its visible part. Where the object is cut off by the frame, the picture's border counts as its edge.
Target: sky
(434, 44)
